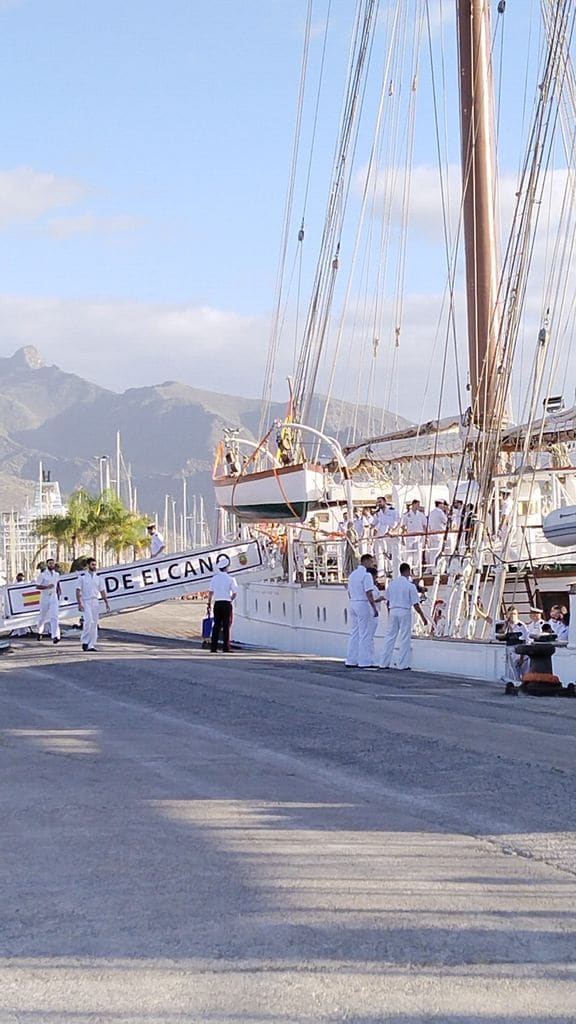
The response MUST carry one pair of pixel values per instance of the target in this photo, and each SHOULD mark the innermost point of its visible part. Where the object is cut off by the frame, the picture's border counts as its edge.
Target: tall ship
(480, 497)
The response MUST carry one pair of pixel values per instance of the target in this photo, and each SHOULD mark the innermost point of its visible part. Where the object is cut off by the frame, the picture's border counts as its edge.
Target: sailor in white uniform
(374, 619)
(386, 545)
(437, 523)
(156, 540)
(556, 621)
(88, 593)
(402, 596)
(414, 525)
(536, 621)
(362, 609)
(48, 583)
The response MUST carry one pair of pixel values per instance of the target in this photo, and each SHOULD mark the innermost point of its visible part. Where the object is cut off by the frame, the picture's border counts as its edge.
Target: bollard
(540, 680)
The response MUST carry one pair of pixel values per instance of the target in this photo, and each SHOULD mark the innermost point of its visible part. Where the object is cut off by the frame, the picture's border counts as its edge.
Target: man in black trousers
(223, 590)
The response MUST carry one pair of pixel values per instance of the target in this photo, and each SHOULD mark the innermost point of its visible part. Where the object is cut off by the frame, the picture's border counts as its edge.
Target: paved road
(190, 837)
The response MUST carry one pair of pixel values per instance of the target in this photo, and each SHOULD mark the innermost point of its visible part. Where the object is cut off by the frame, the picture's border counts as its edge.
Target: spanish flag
(30, 598)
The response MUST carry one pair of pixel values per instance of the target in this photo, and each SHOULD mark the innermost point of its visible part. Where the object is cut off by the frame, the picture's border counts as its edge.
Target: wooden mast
(479, 204)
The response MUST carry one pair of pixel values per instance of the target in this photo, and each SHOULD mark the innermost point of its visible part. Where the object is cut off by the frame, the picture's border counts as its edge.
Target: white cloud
(27, 194)
(122, 344)
(89, 224)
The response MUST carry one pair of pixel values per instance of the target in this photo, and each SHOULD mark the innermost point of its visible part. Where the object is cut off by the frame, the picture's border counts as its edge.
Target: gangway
(137, 584)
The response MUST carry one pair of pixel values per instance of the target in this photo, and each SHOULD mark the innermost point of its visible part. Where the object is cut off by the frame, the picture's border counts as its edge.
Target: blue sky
(145, 155)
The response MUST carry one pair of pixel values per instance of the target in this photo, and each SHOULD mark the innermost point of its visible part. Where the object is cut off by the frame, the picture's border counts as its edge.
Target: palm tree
(100, 519)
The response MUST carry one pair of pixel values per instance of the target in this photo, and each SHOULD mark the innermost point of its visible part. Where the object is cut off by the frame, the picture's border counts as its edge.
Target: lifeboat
(272, 495)
(560, 527)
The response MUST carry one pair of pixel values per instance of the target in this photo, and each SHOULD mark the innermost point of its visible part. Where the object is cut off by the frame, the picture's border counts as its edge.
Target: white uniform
(360, 582)
(386, 546)
(401, 595)
(373, 623)
(48, 612)
(90, 587)
(414, 524)
(516, 664)
(559, 627)
(156, 543)
(437, 522)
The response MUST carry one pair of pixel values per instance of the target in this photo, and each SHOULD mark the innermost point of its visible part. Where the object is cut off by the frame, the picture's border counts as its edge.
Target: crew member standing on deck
(361, 610)
(156, 540)
(223, 591)
(414, 523)
(384, 521)
(48, 583)
(437, 526)
(88, 594)
(402, 596)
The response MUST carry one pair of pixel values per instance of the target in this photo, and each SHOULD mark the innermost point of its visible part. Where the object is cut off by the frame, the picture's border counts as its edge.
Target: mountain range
(167, 430)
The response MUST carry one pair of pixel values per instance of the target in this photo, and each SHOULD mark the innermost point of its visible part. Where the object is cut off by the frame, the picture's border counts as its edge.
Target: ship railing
(320, 561)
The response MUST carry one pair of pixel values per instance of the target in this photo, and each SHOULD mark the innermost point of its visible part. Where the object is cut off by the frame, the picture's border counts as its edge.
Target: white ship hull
(313, 620)
(273, 495)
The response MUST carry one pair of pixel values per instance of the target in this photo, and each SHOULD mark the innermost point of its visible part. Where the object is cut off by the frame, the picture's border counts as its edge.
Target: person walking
(88, 594)
(362, 609)
(48, 583)
(156, 540)
(402, 596)
(223, 591)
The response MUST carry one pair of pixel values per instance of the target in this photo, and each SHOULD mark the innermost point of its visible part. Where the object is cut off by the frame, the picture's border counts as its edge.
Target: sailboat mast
(479, 204)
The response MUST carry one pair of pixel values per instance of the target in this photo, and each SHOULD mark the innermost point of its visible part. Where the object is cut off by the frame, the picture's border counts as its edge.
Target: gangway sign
(136, 584)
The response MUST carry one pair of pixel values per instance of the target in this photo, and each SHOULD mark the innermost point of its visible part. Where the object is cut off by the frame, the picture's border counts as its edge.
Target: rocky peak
(28, 357)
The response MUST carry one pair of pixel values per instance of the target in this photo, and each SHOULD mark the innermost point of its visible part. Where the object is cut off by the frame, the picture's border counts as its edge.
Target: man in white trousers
(402, 596)
(362, 609)
(48, 583)
(88, 594)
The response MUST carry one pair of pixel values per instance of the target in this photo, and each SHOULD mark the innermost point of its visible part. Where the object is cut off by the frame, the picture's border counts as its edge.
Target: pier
(271, 839)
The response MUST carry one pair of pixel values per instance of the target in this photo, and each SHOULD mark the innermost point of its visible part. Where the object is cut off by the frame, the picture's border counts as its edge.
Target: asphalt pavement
(189, 837)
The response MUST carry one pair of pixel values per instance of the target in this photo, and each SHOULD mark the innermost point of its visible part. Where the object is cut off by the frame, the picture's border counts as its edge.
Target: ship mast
(479, 205)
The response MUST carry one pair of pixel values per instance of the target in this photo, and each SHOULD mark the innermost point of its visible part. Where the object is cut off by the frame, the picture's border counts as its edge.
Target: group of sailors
(556, 626)
(410, 536)
(89, 593)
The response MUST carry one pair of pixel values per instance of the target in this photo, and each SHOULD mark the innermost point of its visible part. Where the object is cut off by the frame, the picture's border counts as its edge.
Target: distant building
(18, 541)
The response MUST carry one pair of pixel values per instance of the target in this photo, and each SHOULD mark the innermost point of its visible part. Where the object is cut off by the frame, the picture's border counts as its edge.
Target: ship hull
(313, 620)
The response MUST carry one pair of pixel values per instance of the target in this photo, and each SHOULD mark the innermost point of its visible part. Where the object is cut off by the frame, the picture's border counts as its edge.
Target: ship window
(284, 609)
(345, 616)
(324, 614)
(318, 613)
(299, 611)
(256, 604)
(269, 608)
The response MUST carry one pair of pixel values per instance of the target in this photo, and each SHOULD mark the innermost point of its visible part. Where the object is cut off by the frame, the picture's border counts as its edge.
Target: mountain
(167, 430)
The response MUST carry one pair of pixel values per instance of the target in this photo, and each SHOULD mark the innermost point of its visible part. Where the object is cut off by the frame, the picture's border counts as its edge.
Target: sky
(145, 150)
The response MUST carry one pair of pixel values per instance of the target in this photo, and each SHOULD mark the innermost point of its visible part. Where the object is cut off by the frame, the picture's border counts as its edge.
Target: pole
(184, 512)
(118, 460)
(479, 203)
(166, 520)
